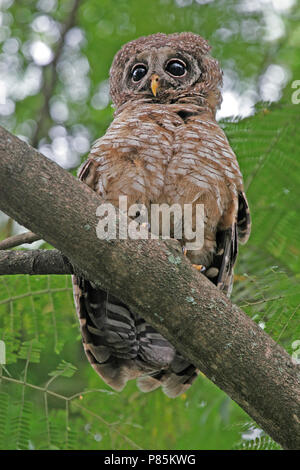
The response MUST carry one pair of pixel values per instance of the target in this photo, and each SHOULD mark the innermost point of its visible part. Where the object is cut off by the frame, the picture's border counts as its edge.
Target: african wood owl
(163, 146)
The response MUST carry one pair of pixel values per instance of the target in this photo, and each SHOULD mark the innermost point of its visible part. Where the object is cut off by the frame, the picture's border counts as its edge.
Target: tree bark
(34, 262)
(159, 284)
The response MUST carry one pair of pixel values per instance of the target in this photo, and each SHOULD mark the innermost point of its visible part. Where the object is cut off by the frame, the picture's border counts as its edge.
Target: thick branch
(158, 283)
(34, 262)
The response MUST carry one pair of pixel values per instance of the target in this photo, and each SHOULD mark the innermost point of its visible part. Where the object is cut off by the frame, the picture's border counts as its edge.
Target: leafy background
(54, 94)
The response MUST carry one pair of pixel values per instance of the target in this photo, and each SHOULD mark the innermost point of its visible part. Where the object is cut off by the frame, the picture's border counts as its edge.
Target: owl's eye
(176, 68)
(138, 72)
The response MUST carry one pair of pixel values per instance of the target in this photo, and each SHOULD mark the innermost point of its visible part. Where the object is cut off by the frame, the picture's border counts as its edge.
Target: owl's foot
(199, 267)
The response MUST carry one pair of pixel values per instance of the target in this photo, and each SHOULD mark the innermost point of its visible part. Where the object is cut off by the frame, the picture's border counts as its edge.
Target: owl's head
(165, 68)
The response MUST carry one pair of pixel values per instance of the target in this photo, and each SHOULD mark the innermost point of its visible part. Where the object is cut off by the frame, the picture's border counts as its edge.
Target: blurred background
(54, 94)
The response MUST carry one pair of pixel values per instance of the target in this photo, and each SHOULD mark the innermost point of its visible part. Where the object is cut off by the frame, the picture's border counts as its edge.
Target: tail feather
(176, 383)
(148, 383)
(122, 346)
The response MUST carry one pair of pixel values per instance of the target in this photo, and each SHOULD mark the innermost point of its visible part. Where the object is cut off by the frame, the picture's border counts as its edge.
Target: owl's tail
(174, 381)
(121, 346)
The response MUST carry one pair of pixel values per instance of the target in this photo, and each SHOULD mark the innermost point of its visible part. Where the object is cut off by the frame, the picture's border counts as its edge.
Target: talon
(184, 251)
(199, 267)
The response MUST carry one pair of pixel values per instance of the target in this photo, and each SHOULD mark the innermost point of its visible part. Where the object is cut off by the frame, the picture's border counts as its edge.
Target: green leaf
(64, 369)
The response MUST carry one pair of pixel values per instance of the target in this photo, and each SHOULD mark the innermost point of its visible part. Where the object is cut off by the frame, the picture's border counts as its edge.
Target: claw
(199, 267)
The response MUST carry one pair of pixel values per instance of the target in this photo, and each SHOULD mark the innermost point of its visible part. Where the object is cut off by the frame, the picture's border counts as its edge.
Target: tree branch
(16, 240)
(34, 262)
(159, 284)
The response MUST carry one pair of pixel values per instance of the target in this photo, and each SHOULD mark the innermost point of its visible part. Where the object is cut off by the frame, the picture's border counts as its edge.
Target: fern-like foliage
(253, 438)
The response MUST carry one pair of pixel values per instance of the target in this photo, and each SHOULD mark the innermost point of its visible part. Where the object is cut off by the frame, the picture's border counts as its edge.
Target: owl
(163, 146)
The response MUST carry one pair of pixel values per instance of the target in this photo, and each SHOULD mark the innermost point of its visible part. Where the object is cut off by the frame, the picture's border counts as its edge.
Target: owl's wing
(225, 258)
(227, 245)
(107, 327)
(243, 219)
(87, 172)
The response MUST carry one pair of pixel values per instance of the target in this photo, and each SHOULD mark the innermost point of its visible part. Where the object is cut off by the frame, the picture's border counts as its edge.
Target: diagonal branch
(159, 284)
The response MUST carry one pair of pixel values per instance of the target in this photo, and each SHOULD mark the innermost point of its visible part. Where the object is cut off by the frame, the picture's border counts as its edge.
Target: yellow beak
(154, 83)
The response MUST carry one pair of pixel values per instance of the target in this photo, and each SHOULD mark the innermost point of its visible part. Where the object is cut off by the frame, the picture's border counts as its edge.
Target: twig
(16, 240)
(70, 399)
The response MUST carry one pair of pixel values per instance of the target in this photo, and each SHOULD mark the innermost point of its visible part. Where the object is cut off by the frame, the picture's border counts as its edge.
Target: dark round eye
(176, 67)
(138, 72)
